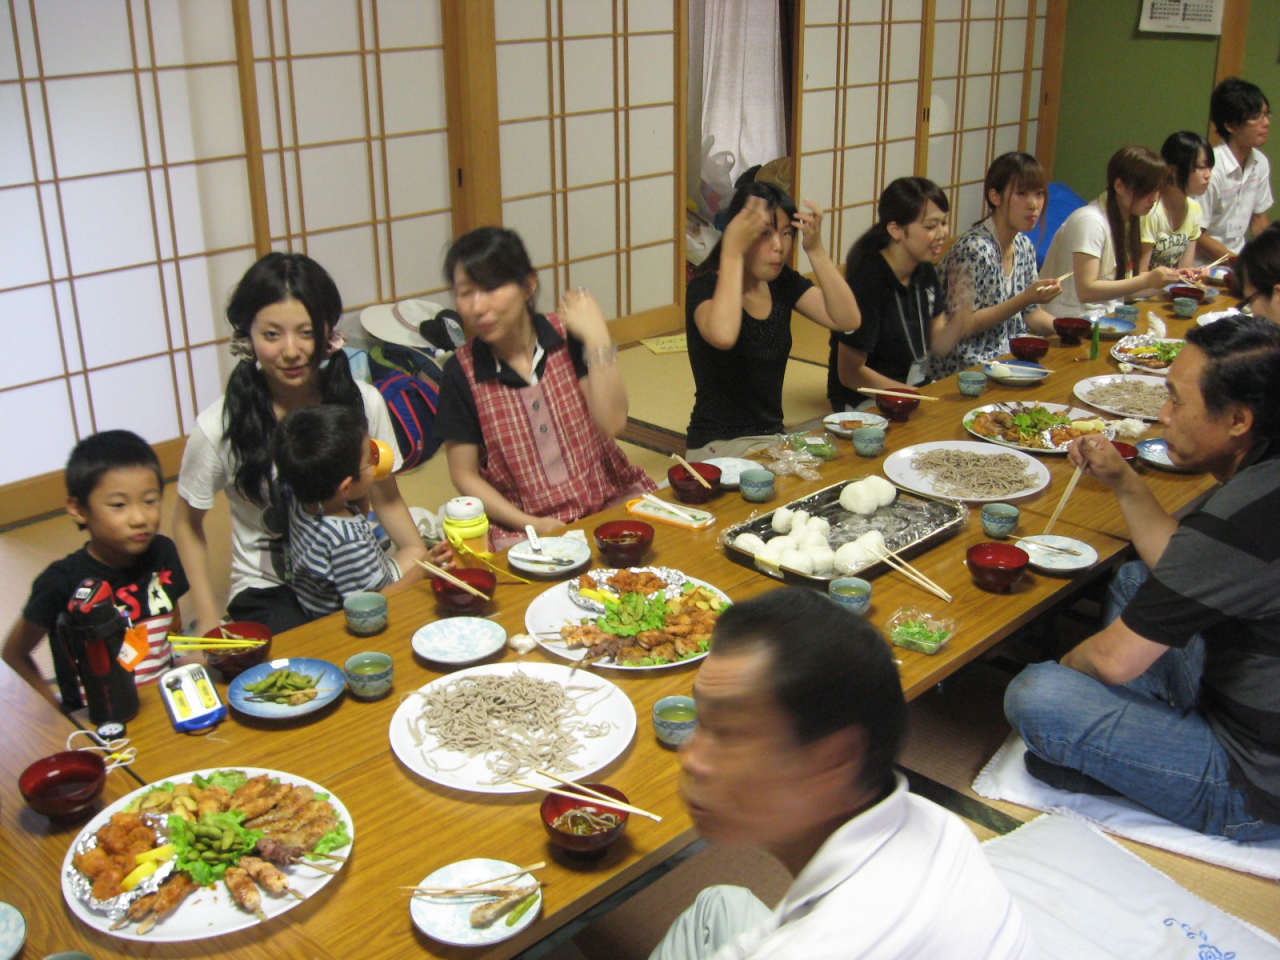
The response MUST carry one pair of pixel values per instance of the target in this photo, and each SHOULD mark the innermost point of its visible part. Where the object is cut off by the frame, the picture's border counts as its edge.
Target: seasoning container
(467, 528)
(1093, 343)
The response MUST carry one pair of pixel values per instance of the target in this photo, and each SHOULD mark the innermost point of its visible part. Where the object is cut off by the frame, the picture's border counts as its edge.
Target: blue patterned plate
(330, 681)
(1156, 452)
(459, 640)
(13, 931)
(448, 919)
(1113, 328)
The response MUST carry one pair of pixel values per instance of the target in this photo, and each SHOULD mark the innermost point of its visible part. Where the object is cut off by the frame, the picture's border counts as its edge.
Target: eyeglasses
(1244, 304)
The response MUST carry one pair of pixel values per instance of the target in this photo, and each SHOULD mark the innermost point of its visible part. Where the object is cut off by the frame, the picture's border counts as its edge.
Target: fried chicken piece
(126, 834)
(663, 651)
(213, 799)
(289, 806)
(264, 801)
(649, 638)
(686, 646)
(244, 891)
(105, 870)
(249, 790)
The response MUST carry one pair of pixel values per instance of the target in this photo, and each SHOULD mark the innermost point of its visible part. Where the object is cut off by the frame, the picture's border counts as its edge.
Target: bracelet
(605, 356)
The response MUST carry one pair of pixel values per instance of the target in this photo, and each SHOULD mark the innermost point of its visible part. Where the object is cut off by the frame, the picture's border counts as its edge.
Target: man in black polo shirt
(1176, 702)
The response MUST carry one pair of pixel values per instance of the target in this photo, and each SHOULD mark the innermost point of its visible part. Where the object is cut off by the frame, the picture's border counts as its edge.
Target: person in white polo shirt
(1239, 195)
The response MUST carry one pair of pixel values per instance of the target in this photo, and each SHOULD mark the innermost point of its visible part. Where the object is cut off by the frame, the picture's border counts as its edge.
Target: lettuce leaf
(335, 839)
(229, 780)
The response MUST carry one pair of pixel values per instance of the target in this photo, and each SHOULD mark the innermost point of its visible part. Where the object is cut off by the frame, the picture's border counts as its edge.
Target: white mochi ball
(824, 559)
(862, 499)
(799, 520)
(771, 554)
(812, 538)
(749, 542)
(785, 542)
(798, 560)
(782, 520)
(820, 525)
(885, 491)
(873, 544)
(849, 558)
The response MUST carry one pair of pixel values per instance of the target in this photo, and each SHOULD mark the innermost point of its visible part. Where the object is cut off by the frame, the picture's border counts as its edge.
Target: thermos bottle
(92, 633)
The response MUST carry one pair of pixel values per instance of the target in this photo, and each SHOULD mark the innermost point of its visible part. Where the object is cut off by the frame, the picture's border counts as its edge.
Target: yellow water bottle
(467, 528)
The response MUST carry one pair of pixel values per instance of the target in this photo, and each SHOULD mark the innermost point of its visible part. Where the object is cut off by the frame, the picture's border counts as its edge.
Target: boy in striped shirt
(323, 454)
(114, 488)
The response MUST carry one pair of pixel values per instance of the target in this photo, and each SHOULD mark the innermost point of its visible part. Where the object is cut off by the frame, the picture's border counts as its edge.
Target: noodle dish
(1124, 395)
(966, 470)
(1039, 428)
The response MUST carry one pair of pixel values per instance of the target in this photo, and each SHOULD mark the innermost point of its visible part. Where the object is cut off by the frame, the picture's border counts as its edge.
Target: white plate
(1055, 561)
(553, 608)
(449, 919)
(1213, 316)
(603, 699)
(731, 469)
(521, 557)
(1073, 412)
(1156, 452)
(1141, 340)
(1085, 387)
(458, 640)
(897, 467)
(210, 911)
(1026, 373)
(832, 421)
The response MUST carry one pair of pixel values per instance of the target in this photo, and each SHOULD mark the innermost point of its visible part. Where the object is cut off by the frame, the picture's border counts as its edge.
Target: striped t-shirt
(1219, 577)
(331, 558)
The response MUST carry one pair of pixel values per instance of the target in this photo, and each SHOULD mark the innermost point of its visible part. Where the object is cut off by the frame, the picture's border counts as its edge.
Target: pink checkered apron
(542, 451)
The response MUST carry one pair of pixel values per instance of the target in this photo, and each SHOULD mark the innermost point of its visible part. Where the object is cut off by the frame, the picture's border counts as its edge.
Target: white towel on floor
(1005, 777)
(1084, 896)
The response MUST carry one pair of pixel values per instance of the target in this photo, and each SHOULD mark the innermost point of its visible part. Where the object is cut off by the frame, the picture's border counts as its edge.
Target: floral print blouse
(973, 270)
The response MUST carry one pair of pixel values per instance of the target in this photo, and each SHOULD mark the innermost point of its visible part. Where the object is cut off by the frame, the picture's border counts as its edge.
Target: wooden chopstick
(914, 575)
(1210, 266)
(1066, 495)
(1064, 276)
(895, 393)
(692, 472)
(1047, 546)
(599, 799)
(211, 643)
(479, 884)
(446, 575)
(551, 775)
(667, 505)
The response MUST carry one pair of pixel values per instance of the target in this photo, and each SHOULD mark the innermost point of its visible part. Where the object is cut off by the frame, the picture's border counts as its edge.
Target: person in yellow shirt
(1169, 232)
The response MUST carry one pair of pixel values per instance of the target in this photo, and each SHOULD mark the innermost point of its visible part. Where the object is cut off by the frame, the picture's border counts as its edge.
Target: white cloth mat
(1083, 896)
(1005, 777)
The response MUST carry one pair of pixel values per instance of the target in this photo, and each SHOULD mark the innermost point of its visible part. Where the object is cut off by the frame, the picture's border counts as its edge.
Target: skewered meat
(289, 806)
(244, 891)
(156, 905)
(265, 875)
(486, 913)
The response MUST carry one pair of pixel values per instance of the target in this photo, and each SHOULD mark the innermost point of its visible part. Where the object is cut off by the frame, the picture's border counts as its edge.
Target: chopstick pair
(671, 507)
(444, 574)
(474, 888)
(211, 643)
(603, 799)
(895, 393)
(914, 575)
(692, 472)
(1047, 546)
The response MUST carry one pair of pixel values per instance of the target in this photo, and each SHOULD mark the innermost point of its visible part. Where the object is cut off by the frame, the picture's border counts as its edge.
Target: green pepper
(521, 909)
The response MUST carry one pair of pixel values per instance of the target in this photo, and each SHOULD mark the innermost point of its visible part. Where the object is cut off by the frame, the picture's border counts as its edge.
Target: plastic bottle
(467, 528)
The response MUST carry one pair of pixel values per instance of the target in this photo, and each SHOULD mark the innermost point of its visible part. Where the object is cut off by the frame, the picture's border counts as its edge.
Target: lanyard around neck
(906, 331)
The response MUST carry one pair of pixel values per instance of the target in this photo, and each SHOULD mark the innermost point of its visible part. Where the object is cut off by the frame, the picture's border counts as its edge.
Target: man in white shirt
(800, 719)
(1239, 195)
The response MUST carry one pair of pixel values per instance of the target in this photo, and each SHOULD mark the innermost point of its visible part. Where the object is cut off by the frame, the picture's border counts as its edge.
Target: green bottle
(1093, 343)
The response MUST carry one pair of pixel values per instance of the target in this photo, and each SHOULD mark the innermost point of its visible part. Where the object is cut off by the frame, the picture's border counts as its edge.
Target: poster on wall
(1182, 16)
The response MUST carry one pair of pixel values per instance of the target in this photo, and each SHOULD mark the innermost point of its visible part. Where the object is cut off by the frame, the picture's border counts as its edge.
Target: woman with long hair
(989, 274)
(738, 319)
(530, 404)
(1170, 230)
(283, 316)
(891, 271)
(1099, 244)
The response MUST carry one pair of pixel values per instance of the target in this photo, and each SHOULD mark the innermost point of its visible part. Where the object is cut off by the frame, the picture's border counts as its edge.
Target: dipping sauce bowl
(452, 595)
(996, 566)
(623, 542)
(1071, 330)
(64, 784)
(897, 409)
(689, 490)
(1029, 348)
(234, 661)
(588, 846)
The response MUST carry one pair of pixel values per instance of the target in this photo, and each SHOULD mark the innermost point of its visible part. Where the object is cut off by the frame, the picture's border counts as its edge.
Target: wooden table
(406, 827)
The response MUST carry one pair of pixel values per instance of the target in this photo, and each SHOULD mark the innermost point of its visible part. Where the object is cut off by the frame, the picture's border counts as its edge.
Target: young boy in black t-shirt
(114, 488)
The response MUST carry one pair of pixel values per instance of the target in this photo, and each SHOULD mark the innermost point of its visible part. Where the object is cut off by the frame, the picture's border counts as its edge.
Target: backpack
(412, 405)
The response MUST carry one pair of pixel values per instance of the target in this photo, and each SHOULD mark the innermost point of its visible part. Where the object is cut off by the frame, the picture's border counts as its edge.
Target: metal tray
(910, 525)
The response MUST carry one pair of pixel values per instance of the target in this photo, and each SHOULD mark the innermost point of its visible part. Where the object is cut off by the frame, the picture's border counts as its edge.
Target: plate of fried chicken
(637, 631)
(281, 838)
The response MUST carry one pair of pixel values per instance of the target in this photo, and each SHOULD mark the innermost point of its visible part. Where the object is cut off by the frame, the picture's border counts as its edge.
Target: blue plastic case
(191, 698)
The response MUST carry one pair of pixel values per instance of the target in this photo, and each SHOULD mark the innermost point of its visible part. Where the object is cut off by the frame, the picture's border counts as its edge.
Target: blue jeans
(1145, 739)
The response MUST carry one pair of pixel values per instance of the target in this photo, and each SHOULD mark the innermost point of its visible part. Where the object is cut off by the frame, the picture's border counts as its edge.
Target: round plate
(459, 640)
(832, 421)
(1085, 387)
(1073, 412)
(1142, 339)
(731, 469)
(1156, 452)
(553, 608)
(449, 919)
(605, 701)
(209, 912)
(1026, 373)
(521, 557)
(1055, 561)
(1113, 328)
(331, 681)
(13, 931)
(897, 467)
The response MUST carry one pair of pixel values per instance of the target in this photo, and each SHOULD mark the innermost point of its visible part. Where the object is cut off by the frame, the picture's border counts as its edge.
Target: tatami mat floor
(954, 730)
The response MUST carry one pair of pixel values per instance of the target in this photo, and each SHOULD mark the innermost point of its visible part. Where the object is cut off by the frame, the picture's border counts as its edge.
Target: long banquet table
(407, 827)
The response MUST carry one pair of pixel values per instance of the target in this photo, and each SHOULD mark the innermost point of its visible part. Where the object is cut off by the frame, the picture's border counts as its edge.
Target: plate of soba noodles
(966, 470)
(1124, 395)
(481, 728)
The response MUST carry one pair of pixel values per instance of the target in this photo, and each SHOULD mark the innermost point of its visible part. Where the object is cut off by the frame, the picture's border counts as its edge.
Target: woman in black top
(904, 319)
(738, 319)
